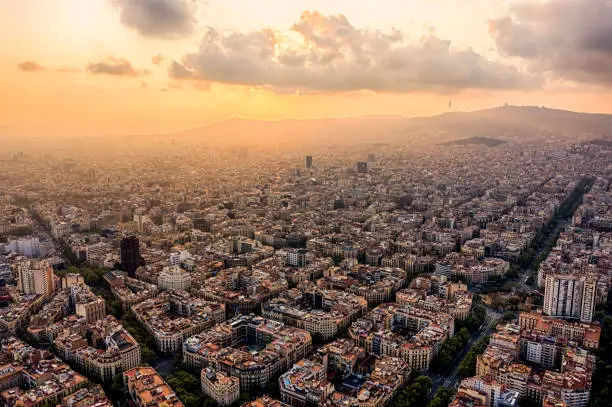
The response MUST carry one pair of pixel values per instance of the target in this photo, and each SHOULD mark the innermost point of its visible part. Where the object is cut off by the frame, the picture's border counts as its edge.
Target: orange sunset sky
(139, 66)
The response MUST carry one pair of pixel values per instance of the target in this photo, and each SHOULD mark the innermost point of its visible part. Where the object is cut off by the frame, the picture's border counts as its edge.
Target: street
(529, 271)
(452, 378)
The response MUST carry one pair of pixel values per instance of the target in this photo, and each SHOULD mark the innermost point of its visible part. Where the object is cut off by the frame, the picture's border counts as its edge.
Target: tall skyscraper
(570, 296)
(36, 277)
(589, 299)
(362, 167)
(130, 255)
(308, 161)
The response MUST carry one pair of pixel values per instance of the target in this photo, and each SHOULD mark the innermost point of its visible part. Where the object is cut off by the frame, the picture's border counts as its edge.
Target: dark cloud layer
(339, 57)
(114, 67)
(158, 18)
(30, 66)
(566, 39)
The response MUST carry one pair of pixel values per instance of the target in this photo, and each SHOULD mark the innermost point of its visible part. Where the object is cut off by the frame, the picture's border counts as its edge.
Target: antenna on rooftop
(450, 105)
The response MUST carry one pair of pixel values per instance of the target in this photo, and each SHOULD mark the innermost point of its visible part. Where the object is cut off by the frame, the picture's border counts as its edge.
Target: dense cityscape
(471, 276)
(306, 203)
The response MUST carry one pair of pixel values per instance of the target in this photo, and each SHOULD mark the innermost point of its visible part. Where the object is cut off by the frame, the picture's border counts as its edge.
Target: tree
(147, 355)
(114, 308)
(443, 397)
(114, 390)
(467, 367)
(527, 402)
(498, 302)
(449, 350)
(602, 377)
(513, 271)
(186, 385)
(464, 335)
(317, 339)
(508, 316)
(480, 312)
(424, 381)
(474, 321)
(272, 389)
(414, 394)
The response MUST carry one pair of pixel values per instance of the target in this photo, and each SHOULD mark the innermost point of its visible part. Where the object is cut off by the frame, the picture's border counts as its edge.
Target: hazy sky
(137, 66)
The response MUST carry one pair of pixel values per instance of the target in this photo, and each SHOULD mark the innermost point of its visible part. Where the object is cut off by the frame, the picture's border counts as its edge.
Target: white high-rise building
(589, 299)
(299, 257)
(30, 247)
(174, 260)
(36, 277)
(570, 296)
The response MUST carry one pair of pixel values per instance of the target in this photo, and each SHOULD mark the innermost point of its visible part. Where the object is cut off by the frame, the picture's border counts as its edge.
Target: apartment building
(119, 353)
(223, 348)
(570, 296)
(586, 335)
(44, 378)
(88, 397)
(306, 384)
(36, 277)
(171, 318)
(147, 388)
(409, 333)
(319, 311)
(86, 303)
(174, 278)
(224, 389)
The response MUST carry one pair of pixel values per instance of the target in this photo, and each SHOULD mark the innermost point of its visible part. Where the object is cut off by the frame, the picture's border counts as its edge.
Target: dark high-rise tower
(308, 161)
(362, 167)
(130, 255)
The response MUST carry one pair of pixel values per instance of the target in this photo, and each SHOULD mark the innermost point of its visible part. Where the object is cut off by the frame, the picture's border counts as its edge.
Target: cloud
(202, 85)
(328, 54)
(30, 66)
(170, 19)
(565, 39)
(157, 59)
(179, 71)
(115, 67)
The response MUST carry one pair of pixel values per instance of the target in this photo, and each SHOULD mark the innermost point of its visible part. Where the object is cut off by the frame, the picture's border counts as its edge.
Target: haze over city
(291, 203)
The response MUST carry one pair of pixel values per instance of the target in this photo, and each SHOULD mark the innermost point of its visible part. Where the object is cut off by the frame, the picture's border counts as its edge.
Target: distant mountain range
(507, 123)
